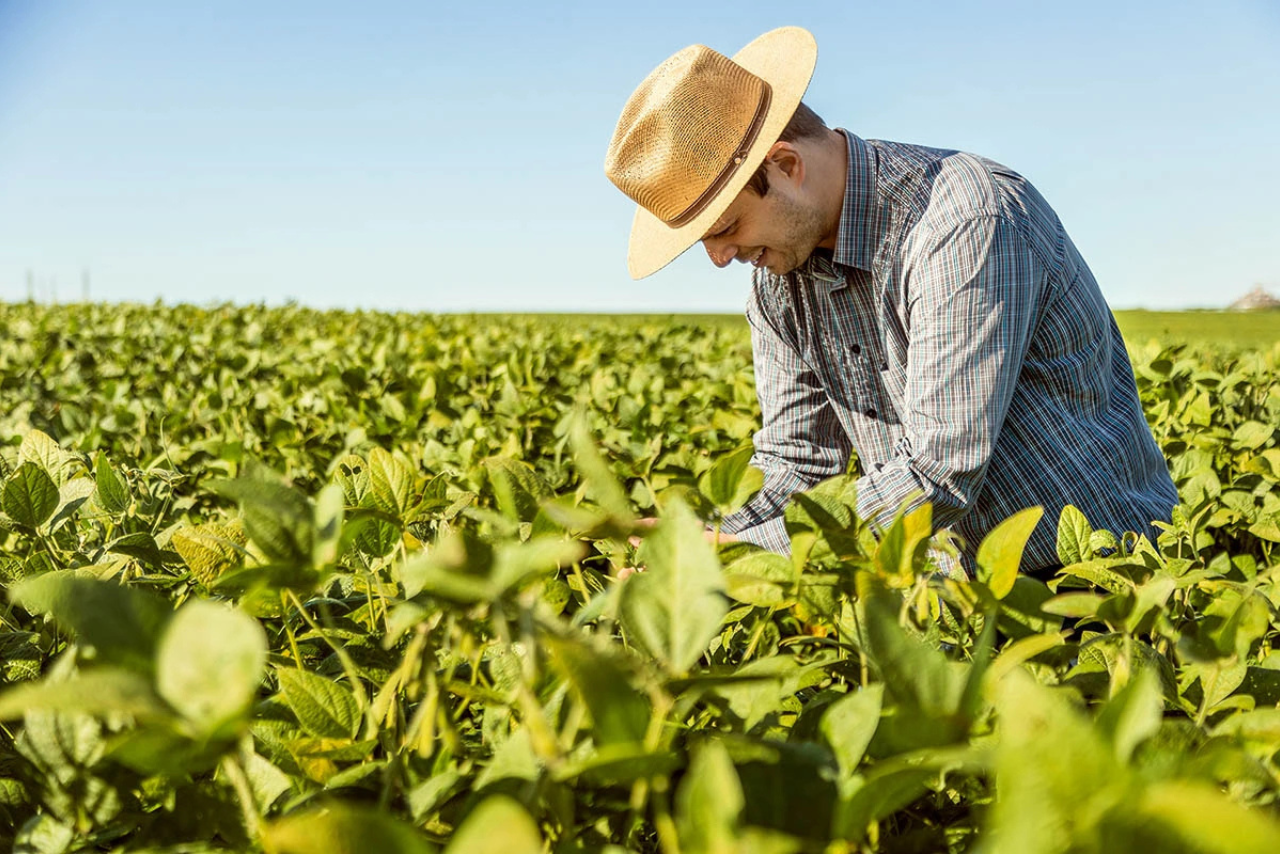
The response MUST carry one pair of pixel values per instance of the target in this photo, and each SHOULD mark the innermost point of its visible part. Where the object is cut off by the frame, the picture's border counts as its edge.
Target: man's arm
(973, 299)
(800, 441)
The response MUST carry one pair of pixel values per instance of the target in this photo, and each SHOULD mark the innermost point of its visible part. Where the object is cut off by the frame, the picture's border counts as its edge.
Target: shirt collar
(856, 237)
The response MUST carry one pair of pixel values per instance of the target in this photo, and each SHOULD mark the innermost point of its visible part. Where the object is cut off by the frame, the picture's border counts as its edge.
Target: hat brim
(785, 59)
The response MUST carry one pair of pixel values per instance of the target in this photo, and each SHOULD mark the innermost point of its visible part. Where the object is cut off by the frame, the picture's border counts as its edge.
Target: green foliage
(673, 610)
(283, 580)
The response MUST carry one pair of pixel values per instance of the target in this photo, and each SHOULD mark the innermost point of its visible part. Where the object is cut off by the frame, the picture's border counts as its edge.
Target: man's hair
(804, 124)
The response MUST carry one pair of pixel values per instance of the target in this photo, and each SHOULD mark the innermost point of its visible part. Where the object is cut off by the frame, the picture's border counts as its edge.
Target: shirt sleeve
(972, 297)
(800, 442)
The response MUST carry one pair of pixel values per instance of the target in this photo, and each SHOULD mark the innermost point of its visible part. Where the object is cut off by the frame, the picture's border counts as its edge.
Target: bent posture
(921, 307)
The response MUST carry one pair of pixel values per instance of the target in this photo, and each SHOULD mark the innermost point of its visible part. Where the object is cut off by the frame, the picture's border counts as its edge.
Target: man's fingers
(646, 524)
(719, 538)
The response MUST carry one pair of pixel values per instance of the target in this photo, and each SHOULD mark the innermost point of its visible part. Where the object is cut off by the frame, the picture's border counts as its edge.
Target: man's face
(777, 231)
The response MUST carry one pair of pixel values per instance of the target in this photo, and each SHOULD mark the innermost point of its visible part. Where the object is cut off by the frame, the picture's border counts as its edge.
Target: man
(920, 307)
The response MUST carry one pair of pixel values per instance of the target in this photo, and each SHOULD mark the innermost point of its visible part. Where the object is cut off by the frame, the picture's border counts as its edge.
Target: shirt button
(870, 413)
(857, 348)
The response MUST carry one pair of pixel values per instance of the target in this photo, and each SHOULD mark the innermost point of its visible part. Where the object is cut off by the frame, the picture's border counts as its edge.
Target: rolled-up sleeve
(801, 441)
(972, 297)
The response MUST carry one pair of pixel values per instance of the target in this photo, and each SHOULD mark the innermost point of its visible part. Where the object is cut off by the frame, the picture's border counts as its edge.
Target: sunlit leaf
(209, 663)
(674, 609)
(1000, 553)
(341, 828)
(30, 496)
(324, 708)
(122, 624)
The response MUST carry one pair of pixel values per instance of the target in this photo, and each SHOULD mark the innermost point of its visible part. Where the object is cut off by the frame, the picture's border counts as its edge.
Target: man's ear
(788, 160)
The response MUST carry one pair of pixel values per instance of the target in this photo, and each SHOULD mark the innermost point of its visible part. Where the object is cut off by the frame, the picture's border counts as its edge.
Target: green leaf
(44, 834)
(340, 828)
(1021, 651)
(71, 497)
(1074, 604)
(37, 447)
(520, 490)
(323, 707)
(1218, 679)
(619, 712)
(140, 545)
(1074, 532)
(709, 802)
(113, 491)
(122, 624)
(328, 518)
(352, 474)
(64, 750)
(465, 569)
(1208, 820)
(390, 483)
(1261, 726)
(266, 780)
(513, 759)
(928, 688)
(99, 691)
(761, 687)
(428, 796)
(762, 578)
(209, 550)
(600, 481)
(1266, 529)
(30, 496)
(1244, 619)
(903, 545)
(1052, 770)
(456, 569)
(612, 764)
(276, 517)
(1000, 553)
(499, 825)
(515, 563)
(786, 786)
(1252, 435)
(209, 663)
(849, 723)
(880, 796)
(674, 609)
(1133, 715)
(731, 481)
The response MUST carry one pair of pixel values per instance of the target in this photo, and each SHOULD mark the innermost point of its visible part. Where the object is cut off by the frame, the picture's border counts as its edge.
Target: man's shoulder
(938, 188)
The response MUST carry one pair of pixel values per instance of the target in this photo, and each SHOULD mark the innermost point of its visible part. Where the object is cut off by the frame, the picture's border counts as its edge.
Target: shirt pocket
(860, 368)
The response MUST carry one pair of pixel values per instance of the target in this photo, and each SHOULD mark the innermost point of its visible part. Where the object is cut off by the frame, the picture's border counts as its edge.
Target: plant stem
(231, 766)
(348, 666)
(293, 641)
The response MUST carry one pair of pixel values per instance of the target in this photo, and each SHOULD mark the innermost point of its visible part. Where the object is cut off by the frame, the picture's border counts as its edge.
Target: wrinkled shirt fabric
(958, 343)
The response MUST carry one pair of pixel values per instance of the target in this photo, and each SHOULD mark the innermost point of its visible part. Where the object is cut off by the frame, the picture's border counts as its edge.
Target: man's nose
(720, 253)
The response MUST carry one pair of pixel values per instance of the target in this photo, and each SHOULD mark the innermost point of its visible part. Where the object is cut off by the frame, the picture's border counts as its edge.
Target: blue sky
(448, 156)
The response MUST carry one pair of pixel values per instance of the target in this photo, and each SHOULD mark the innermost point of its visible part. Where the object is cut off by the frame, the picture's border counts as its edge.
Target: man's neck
(831, 159)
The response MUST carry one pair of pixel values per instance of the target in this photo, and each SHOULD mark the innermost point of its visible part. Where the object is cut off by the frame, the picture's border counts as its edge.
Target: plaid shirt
(957, 342)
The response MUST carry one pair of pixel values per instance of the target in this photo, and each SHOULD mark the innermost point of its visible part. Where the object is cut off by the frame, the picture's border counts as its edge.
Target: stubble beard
(803, 227)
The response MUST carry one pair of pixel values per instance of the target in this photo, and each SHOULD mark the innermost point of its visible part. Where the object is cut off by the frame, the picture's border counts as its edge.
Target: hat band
(748, 139)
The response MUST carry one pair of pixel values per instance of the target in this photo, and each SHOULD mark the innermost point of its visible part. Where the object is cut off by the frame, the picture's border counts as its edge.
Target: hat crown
(684, 131)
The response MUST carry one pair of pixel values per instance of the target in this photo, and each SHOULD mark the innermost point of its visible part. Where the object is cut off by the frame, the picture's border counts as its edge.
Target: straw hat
(695, 131)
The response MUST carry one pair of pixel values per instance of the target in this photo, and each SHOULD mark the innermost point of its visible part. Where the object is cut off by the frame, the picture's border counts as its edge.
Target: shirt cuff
(881, 494)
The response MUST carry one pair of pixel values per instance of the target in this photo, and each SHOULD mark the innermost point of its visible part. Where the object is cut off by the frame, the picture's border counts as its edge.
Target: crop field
(287, 580)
